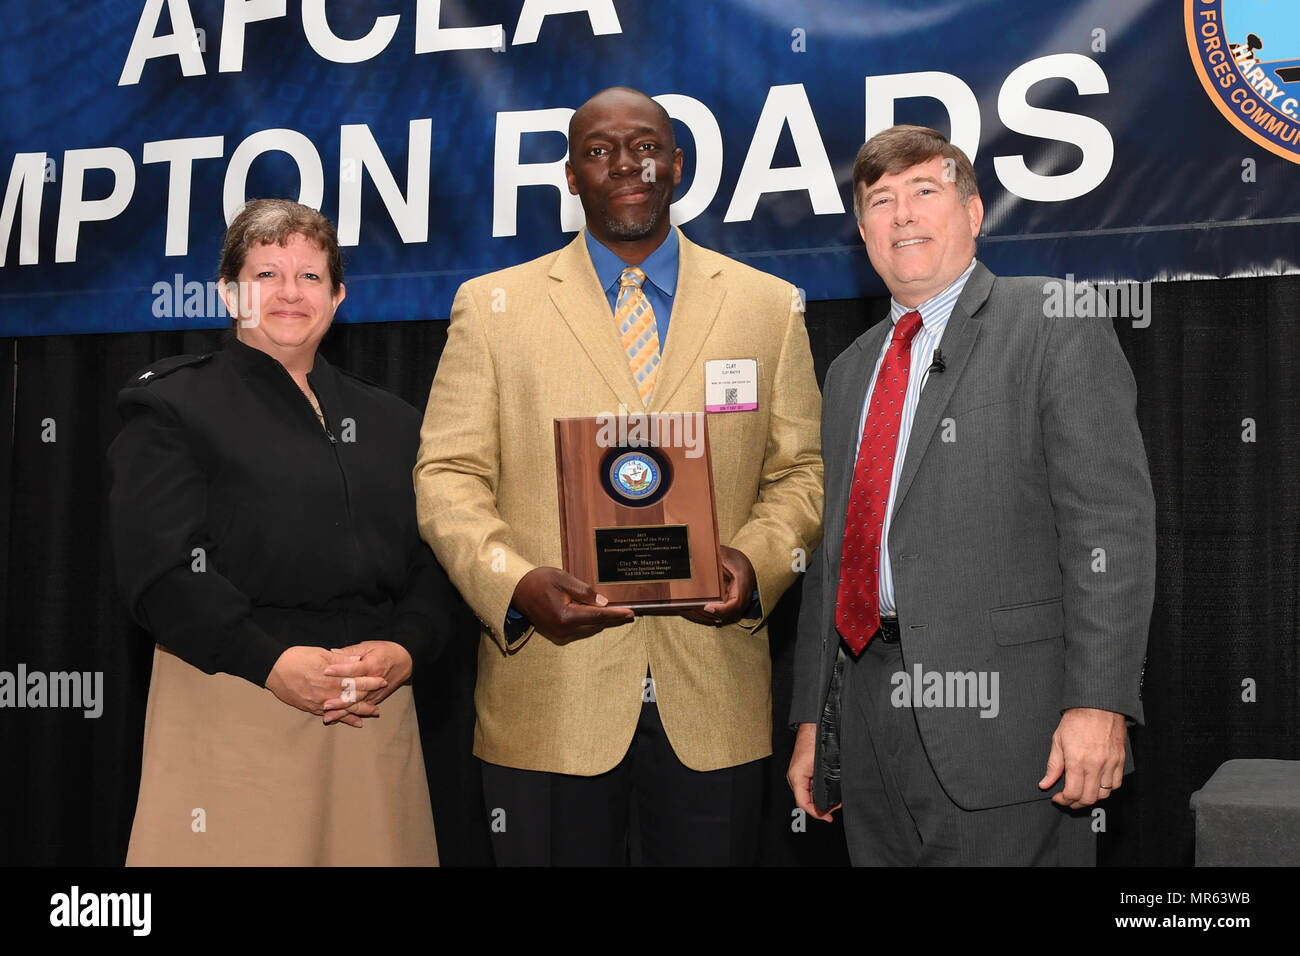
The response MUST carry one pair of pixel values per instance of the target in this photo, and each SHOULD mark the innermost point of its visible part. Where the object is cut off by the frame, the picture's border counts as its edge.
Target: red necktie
(857, 602)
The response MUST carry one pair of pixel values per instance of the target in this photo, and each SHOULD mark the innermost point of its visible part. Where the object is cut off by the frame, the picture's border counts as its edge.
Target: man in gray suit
(974, 623)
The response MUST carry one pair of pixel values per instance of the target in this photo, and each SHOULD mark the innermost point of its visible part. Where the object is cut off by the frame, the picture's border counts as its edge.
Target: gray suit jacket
(1023, 535)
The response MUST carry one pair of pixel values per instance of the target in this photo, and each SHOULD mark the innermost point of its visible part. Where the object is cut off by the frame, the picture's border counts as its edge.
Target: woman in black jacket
(264, 531)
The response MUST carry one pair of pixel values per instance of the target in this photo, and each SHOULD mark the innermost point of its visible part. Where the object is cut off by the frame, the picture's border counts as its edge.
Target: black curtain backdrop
(1224, 629)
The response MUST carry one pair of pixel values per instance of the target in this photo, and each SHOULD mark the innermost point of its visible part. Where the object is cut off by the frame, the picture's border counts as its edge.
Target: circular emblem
(1247, 55)
(635, 475)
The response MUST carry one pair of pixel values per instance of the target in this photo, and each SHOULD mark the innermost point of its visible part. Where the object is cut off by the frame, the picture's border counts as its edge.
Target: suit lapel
(696, 306)
(575, 291)
(958, 341)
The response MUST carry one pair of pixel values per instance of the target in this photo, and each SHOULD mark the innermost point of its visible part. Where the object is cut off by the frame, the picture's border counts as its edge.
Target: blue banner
(1112, 139)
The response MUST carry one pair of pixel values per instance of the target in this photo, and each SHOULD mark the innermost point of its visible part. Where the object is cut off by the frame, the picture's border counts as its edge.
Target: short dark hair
(902, 147)
(272, 222)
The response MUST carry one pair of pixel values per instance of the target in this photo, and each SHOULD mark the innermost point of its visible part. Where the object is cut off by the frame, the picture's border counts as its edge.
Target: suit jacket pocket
(1028, 623)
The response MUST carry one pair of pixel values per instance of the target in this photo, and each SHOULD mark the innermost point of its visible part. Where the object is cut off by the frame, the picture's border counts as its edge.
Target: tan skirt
(234, 777)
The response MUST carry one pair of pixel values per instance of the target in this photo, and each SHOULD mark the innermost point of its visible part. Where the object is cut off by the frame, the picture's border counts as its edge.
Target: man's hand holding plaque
(738, 575)
(564, 608)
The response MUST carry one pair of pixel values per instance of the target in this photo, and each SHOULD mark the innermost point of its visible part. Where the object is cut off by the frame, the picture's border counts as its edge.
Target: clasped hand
(342, 684)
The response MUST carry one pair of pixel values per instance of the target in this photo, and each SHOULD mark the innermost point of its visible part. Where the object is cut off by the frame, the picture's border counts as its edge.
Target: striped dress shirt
(934, 319)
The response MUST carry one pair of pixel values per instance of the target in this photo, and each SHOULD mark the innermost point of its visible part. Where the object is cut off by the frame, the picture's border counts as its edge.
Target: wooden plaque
(637, 515)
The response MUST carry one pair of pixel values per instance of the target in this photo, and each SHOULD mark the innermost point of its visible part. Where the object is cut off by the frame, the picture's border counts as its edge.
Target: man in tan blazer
(591, 719)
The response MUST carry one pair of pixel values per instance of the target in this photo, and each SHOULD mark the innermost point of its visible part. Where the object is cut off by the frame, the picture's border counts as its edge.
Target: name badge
(731, 385)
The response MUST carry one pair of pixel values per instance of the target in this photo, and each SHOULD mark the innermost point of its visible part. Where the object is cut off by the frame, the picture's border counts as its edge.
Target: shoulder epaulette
(164, 367)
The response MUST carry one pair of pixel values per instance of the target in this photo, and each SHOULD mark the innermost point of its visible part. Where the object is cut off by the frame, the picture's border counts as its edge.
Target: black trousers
(649, 810)
(896, 812)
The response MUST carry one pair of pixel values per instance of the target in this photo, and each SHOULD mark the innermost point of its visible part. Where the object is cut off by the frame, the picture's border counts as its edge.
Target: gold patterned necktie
(636, 325)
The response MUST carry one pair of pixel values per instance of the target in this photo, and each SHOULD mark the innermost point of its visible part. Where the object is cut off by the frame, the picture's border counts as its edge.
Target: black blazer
(242, 527)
